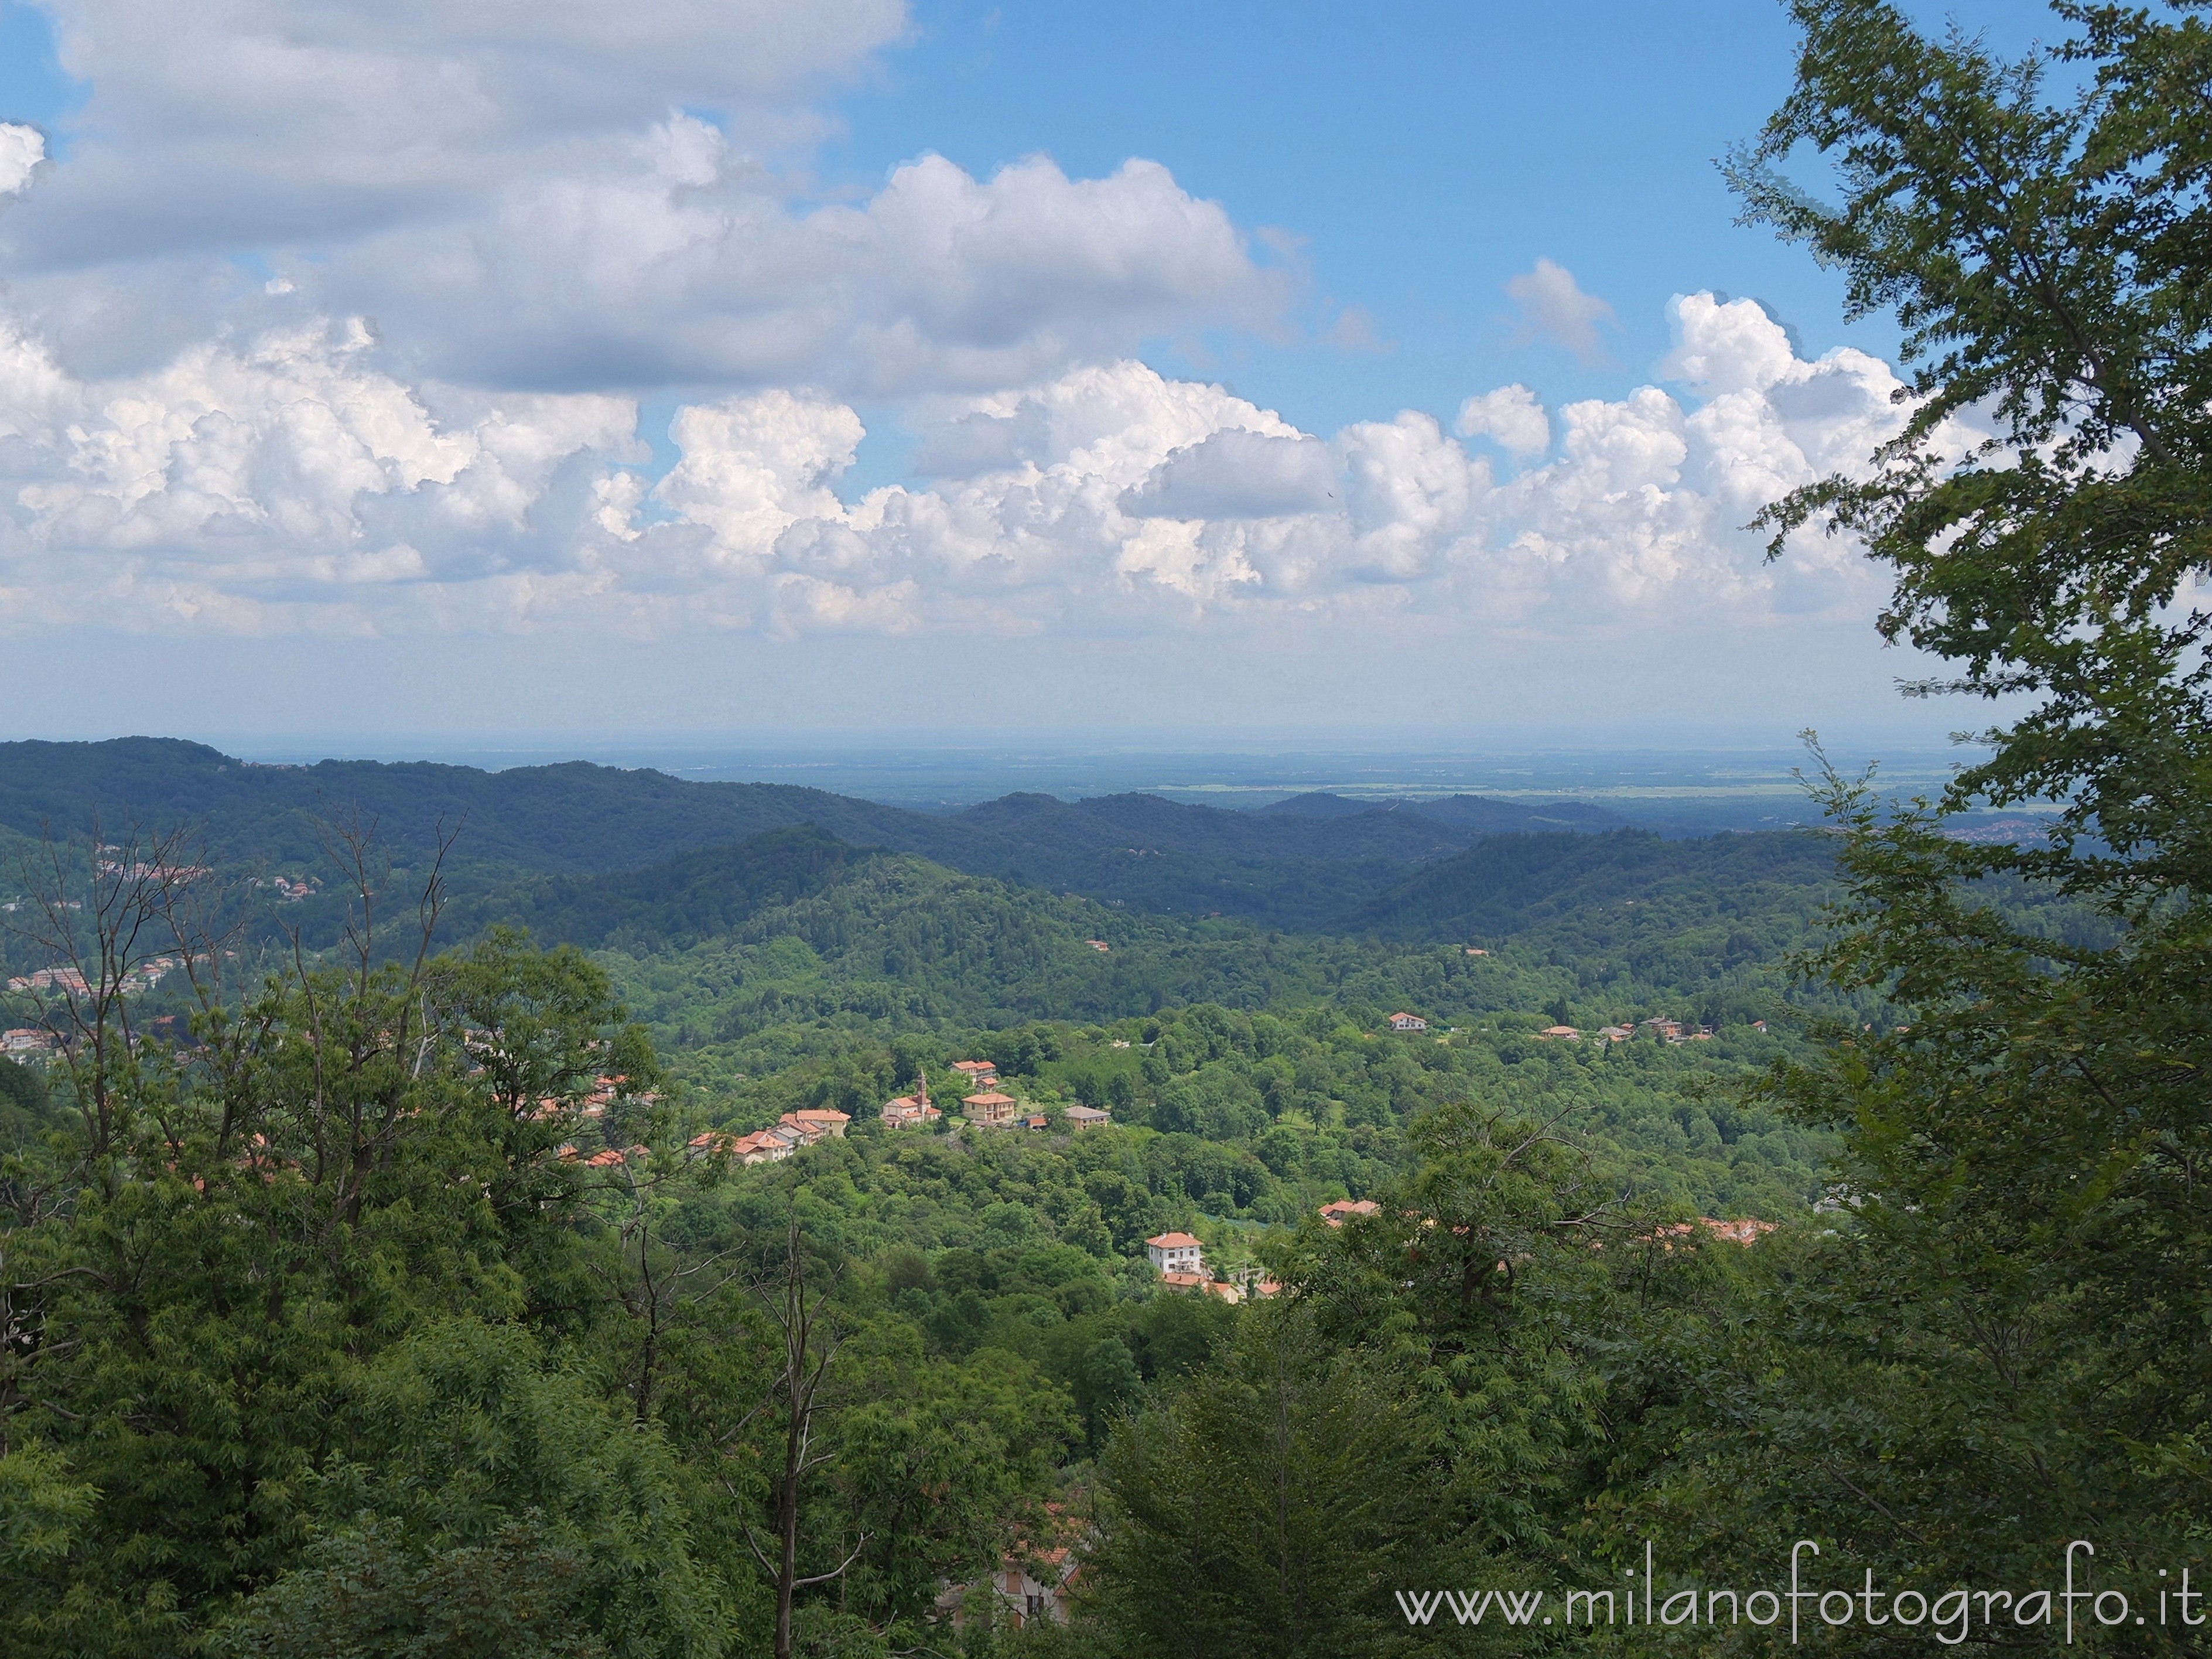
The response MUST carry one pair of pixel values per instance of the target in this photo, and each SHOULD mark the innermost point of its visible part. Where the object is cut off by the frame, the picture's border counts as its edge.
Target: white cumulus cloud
(21, 149)
(1511, 417)
(294, 483)
(566, 197)
(1553, 307)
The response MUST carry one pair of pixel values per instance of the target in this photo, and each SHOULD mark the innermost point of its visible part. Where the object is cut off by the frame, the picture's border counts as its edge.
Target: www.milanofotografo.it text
(1951, 1615)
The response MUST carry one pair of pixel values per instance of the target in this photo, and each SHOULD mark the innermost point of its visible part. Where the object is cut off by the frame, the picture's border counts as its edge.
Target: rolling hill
(1289, 869)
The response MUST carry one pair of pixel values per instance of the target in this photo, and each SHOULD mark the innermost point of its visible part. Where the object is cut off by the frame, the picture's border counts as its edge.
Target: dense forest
(453, 1214)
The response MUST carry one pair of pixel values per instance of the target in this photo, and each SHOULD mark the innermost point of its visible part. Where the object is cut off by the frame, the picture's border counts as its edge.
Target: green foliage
(937, 1463)
(2044, 251)
(25, 1102)
(1272, 1505)
(695, 896)
(2002, 1347)
(484, 1505)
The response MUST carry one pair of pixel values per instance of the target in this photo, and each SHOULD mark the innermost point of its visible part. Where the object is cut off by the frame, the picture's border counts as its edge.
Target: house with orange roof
(991, 1109)
(1749, 1230)
(1180, 1281)
(1031, 1585)
(1175, 1253)
(907, 1112)
(1345, 1210)
(1564, 1032)
(983, 1074)
(762, 1146)
(806, 1128)
(1408, 1022)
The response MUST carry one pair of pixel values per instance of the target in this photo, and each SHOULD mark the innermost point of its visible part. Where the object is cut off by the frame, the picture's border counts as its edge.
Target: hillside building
(911, 1111)
(1175, 1253)
(762, 1146)
(991, 1109)
(1345, 1210)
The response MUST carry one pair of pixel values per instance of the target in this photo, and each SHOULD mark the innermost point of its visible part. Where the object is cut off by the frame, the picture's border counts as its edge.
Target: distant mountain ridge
(1504, 884)
(1625, 894)
(1294, 865)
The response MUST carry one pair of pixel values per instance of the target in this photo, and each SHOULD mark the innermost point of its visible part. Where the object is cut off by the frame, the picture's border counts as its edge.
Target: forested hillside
(1297, 869)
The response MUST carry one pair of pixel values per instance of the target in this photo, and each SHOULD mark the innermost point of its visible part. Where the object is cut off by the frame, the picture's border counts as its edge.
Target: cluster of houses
(775, 1142)
(71, 981)
(68, 979)
(29, 1039)
(287, 889)
(1179, 1260)
(135, 871)
(1671, 1031)
(986, 1106)
(604, 1092)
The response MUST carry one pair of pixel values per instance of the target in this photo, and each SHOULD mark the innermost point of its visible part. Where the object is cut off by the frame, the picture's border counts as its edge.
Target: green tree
(486, 1506)
(199, 1288)
(1107, 1382)
(2006, 1346)
(1272, 1505)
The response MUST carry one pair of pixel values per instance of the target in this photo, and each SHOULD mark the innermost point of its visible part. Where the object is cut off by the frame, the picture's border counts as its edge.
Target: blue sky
(342, 347)
(1422, 154)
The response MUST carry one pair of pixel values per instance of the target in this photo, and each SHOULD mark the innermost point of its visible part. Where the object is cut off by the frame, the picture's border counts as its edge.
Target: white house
(1408, 1022)
(1174, 1253)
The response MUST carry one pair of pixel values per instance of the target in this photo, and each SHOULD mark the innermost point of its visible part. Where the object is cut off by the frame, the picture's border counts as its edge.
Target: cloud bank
(562, 195)
(294, 483)
(552, 210)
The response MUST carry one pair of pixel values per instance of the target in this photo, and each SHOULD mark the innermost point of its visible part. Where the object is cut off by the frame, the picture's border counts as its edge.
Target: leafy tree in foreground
(487, 1506)
(303, 1345)
(2012, 1349)
(1274, 1505)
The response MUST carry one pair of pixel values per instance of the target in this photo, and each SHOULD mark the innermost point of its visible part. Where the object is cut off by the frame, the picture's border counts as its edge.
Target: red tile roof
(1336, 1214)
(1173, 1242)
